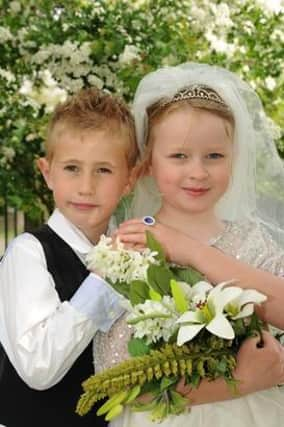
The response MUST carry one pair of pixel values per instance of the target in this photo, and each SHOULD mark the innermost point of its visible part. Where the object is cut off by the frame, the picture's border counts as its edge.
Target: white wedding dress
(254, 246)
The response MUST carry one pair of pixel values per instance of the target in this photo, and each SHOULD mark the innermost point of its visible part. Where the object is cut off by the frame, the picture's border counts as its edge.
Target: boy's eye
(71, 168)
(215, 155)
(104, 170)
(178, 156)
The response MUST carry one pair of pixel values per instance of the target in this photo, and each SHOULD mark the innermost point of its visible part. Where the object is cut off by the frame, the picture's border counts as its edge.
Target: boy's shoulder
(24, 245)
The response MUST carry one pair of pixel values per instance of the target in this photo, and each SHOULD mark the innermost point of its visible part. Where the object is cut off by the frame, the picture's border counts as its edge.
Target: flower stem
(148, 316)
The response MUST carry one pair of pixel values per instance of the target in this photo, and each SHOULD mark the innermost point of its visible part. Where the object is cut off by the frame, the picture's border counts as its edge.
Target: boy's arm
(257, 369)
(97, 300)
(43, 336)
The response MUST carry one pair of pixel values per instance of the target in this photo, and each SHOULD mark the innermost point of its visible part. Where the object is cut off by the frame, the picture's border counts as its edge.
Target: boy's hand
(133, 234)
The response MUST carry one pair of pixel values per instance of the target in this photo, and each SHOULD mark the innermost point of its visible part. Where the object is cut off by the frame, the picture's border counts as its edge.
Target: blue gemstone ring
(148, 220)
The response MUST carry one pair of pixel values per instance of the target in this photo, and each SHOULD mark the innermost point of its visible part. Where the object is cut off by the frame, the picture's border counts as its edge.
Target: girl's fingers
(132, 222)
(134, 247)
(135, 238)
(183, 388)
(132, 228)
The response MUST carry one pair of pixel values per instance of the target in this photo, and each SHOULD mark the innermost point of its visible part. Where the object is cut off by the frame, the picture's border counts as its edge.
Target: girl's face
(191, 160)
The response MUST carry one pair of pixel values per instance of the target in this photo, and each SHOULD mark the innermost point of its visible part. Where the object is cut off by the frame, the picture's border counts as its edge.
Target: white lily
(209, 314)
(199, 292)
(243, 305)
(196, 293)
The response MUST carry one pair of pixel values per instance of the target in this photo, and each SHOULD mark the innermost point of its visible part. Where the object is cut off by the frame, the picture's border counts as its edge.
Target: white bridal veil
(257, 185)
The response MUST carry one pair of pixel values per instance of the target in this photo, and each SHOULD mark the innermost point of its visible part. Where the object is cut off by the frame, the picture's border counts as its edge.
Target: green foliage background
(50, 48)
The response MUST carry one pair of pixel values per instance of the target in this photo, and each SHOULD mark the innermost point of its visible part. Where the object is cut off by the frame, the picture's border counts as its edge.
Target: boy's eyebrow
(97, 163)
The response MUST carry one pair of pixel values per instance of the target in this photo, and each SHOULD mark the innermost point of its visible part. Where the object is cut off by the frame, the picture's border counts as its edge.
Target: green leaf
(151, 387)
(133, 393)
(139, 292)
(239, 327)
(155, 296)
(179, 403)
(155, 246)
(222, 366)
(159, 278)
(195, 379)
(121, 287)
(138, 347)
(179, 296)
(167, 382)
(142, 407)
(188, 275)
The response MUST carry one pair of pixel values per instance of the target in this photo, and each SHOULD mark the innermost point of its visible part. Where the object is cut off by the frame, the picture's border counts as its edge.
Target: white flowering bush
(50, 49)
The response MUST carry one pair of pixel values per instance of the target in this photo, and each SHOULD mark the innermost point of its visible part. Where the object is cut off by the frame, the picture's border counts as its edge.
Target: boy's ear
(130, 183)
(44, 167)
(132, 178)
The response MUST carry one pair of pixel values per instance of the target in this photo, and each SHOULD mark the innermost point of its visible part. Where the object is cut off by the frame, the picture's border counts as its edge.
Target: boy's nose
(87, 184)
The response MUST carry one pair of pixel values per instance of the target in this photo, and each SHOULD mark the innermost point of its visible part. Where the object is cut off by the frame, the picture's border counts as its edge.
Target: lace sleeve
(272, 258)
(254, 245)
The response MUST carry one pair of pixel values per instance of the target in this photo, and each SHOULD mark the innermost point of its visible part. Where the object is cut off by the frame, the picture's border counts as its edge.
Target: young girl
(200, 130)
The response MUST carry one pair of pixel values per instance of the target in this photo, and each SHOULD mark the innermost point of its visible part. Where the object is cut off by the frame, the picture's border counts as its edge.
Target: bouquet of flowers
(183, 327)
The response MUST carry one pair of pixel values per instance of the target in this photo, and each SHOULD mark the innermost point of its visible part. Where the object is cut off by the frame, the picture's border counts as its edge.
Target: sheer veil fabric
(256, 191)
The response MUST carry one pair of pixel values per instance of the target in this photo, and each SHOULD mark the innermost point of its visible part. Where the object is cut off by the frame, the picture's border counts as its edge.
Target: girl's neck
(199, 226)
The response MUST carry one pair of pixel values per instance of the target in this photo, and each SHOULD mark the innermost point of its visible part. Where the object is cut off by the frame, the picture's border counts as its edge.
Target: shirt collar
(69, 233)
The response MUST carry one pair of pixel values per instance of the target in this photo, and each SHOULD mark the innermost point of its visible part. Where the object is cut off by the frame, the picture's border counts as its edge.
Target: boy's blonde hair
(93, 110)
(162, 108)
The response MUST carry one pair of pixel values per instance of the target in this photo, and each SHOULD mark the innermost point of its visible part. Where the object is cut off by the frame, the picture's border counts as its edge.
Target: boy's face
(87, 174)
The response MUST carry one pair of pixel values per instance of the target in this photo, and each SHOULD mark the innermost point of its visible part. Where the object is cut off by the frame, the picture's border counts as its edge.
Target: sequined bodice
(245, 241)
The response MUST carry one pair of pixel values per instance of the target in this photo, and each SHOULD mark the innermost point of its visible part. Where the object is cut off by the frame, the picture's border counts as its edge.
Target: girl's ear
(44, 166)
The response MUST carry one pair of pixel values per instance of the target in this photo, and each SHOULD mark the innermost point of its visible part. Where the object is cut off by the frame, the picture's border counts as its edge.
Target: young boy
(50, 306)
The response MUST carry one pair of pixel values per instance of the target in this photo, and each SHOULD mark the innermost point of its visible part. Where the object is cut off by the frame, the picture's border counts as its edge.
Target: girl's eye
(215, 156)
(178, 156)
(71, 168)
(104, 170)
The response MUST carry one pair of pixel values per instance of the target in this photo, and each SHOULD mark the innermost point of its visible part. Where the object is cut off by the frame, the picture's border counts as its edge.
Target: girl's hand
(133, 234)
(258, 368)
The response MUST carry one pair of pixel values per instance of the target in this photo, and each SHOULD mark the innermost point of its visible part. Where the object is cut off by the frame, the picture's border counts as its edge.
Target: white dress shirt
(43, 336)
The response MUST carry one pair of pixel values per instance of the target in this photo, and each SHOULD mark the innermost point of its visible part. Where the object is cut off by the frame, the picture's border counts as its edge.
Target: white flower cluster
(5, 74)
(154, 320)
(272, 6)
(129, 54)
(15, 6)
(5, 35)
(48, 94)
(118, 264)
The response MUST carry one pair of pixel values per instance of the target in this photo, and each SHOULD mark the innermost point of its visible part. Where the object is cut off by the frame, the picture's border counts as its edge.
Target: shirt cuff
(98, 301)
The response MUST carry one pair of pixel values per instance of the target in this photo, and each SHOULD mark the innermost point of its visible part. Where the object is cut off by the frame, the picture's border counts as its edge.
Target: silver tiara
(197, 91)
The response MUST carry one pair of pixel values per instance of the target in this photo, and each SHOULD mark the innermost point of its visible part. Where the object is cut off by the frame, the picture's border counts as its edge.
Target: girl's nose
(197, 170)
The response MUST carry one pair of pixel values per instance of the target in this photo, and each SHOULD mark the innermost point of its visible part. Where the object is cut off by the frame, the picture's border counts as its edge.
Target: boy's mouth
(83, 205)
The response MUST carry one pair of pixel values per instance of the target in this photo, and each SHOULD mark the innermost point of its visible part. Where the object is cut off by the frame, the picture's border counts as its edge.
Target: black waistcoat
(20, 406)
